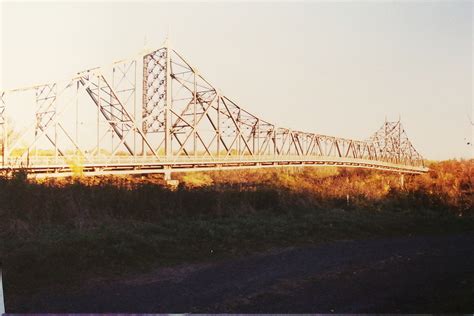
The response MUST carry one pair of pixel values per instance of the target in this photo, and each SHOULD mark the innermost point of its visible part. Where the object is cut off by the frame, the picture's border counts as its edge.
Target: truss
(183, 120)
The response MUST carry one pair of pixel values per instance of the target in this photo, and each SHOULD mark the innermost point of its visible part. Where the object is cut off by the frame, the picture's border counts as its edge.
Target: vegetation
(61, 231)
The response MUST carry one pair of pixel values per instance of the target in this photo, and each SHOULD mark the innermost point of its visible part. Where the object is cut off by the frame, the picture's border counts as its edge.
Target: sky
(335, 68)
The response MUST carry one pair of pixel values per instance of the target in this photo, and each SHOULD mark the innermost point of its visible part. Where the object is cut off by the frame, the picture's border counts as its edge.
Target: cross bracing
(96, 122)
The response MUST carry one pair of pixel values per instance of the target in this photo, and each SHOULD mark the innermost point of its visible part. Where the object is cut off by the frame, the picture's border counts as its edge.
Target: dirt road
(403, 275)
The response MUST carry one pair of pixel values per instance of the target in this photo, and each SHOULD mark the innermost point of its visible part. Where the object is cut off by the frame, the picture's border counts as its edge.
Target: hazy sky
(336, 68)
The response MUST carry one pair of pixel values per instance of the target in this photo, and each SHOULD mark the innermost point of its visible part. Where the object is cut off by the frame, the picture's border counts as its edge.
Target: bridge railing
(105, 161)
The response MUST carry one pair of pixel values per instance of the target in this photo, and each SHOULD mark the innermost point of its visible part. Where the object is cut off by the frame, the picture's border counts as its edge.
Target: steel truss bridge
(92, 124)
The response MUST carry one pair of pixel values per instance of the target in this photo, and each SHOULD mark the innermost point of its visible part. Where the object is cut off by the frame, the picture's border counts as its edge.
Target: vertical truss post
(77, 112)
(155, 97)
(144, 101)
(135, 109)
(3, 122)
(399, 144)
(218, 131)
(99, 106)
(239, 135)
(274, 136)
(5, 143)
(385, 141)
(111, 109)
(46, 110)
(194, 114)
(168, 104)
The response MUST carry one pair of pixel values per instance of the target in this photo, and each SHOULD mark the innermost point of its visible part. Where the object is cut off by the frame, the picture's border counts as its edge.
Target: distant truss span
(93, 124)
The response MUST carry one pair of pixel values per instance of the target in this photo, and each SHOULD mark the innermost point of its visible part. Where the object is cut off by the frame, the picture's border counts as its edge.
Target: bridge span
(105, 121)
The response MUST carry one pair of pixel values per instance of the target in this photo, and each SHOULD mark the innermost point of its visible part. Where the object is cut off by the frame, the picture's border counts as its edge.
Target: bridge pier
(169, 181)
(167, 174)
(402, 181)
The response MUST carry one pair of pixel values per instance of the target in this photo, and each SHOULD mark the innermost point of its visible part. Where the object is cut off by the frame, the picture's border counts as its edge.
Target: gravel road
(401, 275)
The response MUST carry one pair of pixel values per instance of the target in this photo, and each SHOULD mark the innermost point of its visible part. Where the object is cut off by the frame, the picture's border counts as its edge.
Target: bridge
(94, 124)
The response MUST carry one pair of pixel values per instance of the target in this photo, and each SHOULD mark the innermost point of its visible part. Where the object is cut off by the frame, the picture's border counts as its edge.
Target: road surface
(401, 275)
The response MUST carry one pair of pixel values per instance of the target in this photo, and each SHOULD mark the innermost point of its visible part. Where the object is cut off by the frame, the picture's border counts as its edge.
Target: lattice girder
(184, 117)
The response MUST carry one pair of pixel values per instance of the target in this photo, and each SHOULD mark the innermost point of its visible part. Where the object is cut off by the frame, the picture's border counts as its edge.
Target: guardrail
(107, 162)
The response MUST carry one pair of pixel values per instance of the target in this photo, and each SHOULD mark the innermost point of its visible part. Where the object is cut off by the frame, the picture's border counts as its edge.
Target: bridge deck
(61, 167)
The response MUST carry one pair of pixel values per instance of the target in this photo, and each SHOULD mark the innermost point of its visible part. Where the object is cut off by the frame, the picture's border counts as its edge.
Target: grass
(63, 255)
(61, 233)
